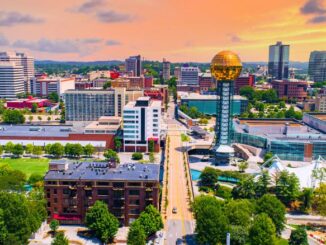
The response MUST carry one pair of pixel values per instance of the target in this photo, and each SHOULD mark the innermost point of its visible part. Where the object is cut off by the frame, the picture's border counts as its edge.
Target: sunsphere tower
(225, 67)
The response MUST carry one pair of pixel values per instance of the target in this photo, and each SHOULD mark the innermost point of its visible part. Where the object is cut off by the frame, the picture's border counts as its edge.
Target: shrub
(137, 156)
(224, 192)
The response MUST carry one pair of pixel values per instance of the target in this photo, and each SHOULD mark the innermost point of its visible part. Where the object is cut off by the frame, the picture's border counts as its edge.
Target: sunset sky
(179, 30)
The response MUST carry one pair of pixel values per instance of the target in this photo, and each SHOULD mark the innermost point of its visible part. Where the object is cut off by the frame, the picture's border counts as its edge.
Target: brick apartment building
(127, 189)
(291, 89)
(243, 81)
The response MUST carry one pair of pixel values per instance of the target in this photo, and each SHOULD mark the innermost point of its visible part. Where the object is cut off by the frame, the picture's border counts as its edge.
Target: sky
(178, 30)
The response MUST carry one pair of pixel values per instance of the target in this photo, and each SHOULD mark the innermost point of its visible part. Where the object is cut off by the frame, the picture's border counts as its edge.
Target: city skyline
(113, 30)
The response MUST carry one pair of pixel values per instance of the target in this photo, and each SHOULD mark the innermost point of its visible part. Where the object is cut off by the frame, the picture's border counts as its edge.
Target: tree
(60, 239)
(270, 96)
(211, 223)
(54, 97)
(151, 145)
(30, 118)
(17, 150)
(239, 235)
(29, 148)
(107, 85)
(136, 234)
(37, 150)
(1, 150)
(239, 212)
(9, 147)
(54, 225)
(11, 180)
(137, 156)
(262, 184)
(39, 118)
(57, 150)
(262, 231)
(47, 148)
(203, 121)
(49, 118)
(151, 220)
(319, 199)
(89, 150)
(319, 174)
(287, 187)
(305, 198)
(13, 117)
(111, 154)
(274, 208)
(117, 143)
(34, 178)
(208, 177)
(243, 166)
(151, 157)
(268, 156)
(247, 91)
(298, 237)
(102, 222)
(245, 189)
(203, 201)
(34, 108)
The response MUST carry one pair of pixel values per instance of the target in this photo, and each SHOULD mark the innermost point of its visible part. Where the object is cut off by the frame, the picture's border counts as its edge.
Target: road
(180, 225)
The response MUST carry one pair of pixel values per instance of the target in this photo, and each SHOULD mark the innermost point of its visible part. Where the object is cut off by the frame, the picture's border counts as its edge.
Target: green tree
(245, 189)
(305, 198)
(282, 104)
(319, 199)
(57, 150)
(34, 108)
(13, 117)
(54, 97)
(151, 145)
(54, 225)
(262, 231)
(151, 157)
(39, 118)
(298, 237)
(3, 228)
(274, 208)
(247, 91)
(60, 239)
(287, 187)
(268, 156)
(11, 180)
(1, 150)
(104, 224)
(290, 113)
(270, 96)
(107, 85)
(37, 150)
(136, 234)
(239, 235)
(9, 147)
(18, 150)
(89, 150)
(319, 174)
(111, 154)
(117, 144)
(49, 118)
(29, 148)
(243, 166)
(47, 148)
(151, 221)
(34, 178)
(77, 150)
(137, 156)
(211, 223)
(208, 177)
(30, 118)
(239, 212)
(262, 184)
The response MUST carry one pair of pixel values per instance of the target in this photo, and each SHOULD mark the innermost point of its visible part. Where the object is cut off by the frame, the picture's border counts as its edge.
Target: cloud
(16, 18)
(313, 7)
(318, 19)
(3, 40)
(112, 43)
(89, 6)
(112, 17)
(235, 38)
(91, 40)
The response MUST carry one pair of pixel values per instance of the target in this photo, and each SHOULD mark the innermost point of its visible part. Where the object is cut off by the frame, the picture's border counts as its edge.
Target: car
(174, 210)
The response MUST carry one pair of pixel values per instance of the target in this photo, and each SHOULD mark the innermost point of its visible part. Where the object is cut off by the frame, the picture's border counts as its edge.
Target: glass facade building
(317, 66)
(278, 63)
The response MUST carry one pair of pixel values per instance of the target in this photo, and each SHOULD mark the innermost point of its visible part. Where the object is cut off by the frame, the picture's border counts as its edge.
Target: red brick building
(28, 103)
(206, 82)
(291, 89)
(243, 81)
(71, 188)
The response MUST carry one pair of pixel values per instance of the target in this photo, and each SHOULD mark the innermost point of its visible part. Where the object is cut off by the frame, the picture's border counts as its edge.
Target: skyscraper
(278, 63)
(317, 66)
(166, 70)
(21, 59)
(134, 65)
(11, 80)
(189, 76)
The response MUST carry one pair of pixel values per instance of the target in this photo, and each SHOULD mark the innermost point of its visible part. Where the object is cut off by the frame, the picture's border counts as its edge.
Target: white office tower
(141, 123)
(11, 80)
(21, 59)
(189, 76)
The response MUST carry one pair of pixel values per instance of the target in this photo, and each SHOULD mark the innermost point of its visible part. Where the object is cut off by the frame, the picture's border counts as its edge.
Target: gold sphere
(226, 65)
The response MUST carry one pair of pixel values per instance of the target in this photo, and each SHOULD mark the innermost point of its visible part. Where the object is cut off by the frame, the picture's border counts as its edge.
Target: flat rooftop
(263, 123)
(196, 96)
(101, 171)
(320, 116)
(38, 130)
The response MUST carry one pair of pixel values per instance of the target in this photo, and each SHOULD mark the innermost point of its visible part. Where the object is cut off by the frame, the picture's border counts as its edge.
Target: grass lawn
(27, 165)
(281, 241)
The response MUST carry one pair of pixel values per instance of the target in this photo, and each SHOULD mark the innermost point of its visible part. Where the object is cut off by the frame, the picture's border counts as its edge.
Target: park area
(27, 165)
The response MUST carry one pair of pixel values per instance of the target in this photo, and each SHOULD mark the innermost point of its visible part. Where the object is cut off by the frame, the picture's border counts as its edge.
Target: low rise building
(291, 89)
(189, 75)
(206, 82)
(243, 81)
(28, 103)
(126, 189)
(44, 86)
(141, 124)
(320, 104)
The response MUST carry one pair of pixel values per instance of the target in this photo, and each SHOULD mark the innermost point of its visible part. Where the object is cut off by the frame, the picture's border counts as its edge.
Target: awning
(66, 217)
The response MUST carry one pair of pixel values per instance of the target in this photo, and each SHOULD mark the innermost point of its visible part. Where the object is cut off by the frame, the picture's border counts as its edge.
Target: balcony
(118, 188)
(73, 187)
(149, 189)
(87, 188)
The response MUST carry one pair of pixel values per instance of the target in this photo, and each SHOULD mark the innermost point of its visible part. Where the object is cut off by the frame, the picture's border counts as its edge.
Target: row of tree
(248, 222)
(269, 96)
(56, 149)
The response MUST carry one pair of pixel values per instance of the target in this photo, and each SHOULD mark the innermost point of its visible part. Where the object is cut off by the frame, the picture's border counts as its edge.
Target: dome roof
(226, 65)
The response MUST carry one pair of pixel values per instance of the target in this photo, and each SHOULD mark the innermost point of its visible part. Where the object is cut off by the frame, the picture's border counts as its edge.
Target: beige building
(122, 96)
(321, 103)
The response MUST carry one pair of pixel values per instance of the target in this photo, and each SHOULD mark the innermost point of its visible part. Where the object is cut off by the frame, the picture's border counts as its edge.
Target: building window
(102, 192)
(134, 211)
(134, 192)
(55, 200)
(55, 191)
(103, 183)
(134, 202)
(134, 184)
(65, 191)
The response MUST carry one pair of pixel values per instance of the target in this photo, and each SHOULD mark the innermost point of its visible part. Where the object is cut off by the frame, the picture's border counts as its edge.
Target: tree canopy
(262, 231)
(136, 234)
(298, 237)
(13, 117)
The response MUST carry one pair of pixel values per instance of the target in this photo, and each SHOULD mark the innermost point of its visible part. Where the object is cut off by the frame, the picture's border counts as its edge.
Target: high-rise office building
(141, 123)
(189, 76)
(278, 63)
(134, 65)
(166, 70)
(317, 66)
(21, 59)
(11, 80)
